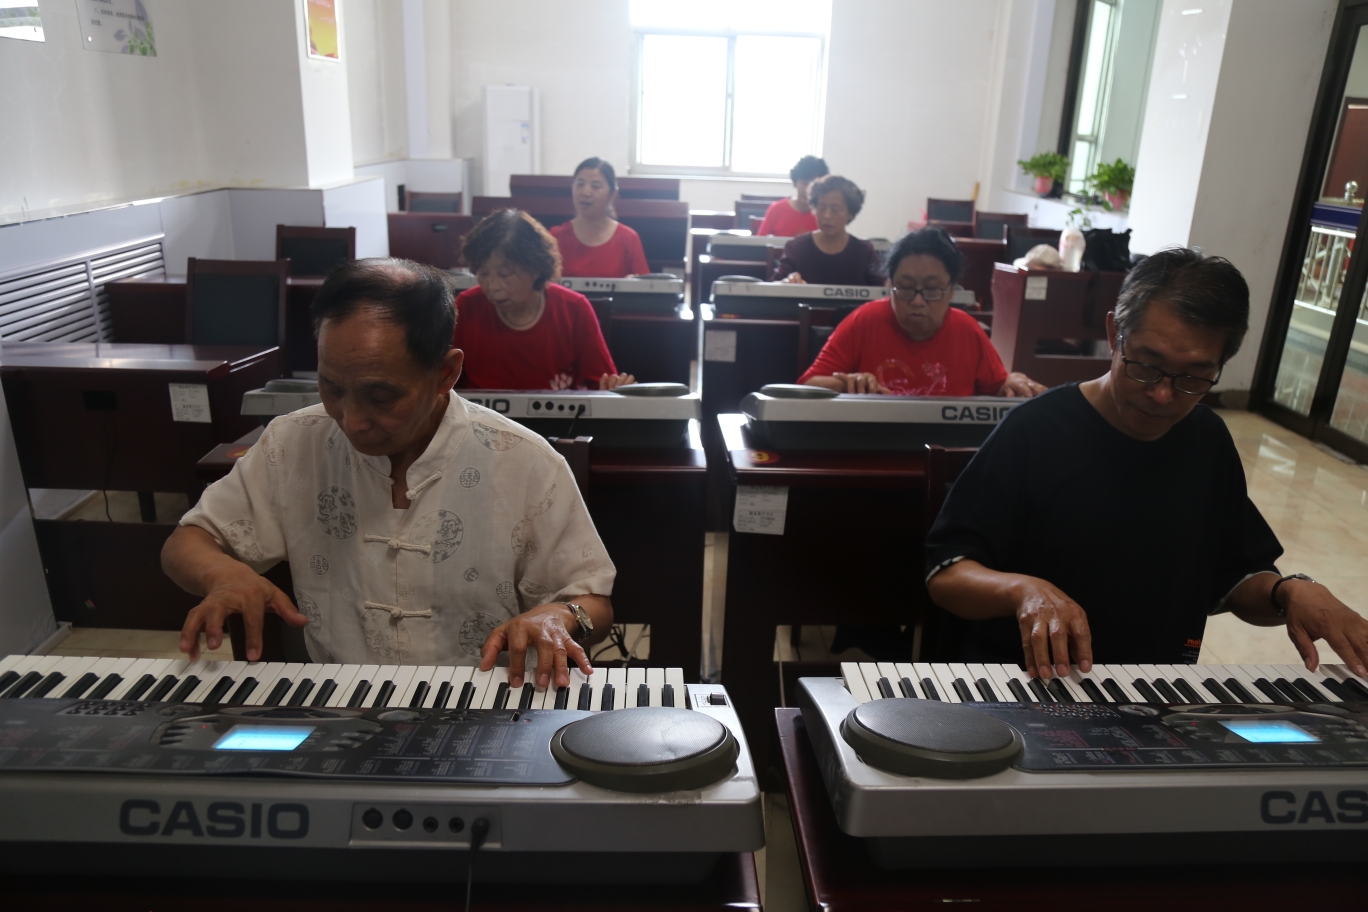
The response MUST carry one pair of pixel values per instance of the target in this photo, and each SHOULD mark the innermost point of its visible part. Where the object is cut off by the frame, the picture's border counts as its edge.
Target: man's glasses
(1141, 372)
(929, 295)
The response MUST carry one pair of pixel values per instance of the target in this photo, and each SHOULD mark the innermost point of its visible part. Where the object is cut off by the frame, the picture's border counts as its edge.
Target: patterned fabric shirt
(496, 526)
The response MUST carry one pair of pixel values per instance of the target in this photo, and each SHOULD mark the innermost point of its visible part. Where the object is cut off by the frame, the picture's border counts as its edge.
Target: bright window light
(776, 96)
(769, 16)
(683, 101)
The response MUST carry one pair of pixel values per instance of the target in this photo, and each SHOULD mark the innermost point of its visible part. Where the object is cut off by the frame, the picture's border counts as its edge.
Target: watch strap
(1280, 610)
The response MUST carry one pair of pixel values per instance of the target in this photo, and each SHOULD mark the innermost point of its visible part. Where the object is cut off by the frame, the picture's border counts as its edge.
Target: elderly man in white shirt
(420, 528)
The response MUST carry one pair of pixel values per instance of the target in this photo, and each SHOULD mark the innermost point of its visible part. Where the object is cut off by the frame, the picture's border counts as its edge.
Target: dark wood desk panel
(839, 876)
(153, 310)
(981, 255)
(654, 348)
(1073, 307)
(851, 553)
(732, 885)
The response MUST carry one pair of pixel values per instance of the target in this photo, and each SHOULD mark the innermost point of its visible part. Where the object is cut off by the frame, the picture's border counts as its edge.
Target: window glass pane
(1351, 402)
(738, 15)
(774, 102)
(683, 100)
(1090, 90)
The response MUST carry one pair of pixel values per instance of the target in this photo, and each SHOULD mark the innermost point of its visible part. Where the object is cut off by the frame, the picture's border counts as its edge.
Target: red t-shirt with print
(958, 360)
(564, 349)
(782, 220)
(616, 258)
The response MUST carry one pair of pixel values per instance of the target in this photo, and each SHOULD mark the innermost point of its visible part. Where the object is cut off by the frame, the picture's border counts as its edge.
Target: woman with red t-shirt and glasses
(914, 343)
(517, 329)
(593, 244)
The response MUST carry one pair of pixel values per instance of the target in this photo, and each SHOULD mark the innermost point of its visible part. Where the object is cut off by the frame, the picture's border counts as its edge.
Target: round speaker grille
(930, 738)
(656, 749)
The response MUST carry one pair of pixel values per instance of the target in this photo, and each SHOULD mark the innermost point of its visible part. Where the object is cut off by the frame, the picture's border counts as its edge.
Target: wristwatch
(586, 623)
(1280, 610)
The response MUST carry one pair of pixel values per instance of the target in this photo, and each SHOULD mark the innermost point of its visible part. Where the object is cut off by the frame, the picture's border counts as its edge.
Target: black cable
(478, 831)
(571, 432)
(617, 637)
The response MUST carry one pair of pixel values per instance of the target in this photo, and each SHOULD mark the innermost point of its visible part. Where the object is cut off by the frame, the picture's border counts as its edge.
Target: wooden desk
(839, 876)
(153, 310)
(851, 553)
(733, 885)
(662, 224)
(647, 505)
(1046, 320)
(980, 257)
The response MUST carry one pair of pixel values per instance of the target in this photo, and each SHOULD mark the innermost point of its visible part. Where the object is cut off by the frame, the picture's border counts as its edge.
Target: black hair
(602, 167)
(407, 294)
(809, 168)
(518, 238)
(854, 196)
(933, 242)
(1205, 291)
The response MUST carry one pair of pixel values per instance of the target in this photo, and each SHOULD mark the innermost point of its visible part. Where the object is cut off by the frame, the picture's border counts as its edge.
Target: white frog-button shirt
(496, 526)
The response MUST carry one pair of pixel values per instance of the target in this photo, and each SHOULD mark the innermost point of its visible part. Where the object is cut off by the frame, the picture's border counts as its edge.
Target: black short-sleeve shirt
(1147, 537)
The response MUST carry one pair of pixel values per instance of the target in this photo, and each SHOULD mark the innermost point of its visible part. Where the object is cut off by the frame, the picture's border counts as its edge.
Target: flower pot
(1118, 200)
(1043, 185)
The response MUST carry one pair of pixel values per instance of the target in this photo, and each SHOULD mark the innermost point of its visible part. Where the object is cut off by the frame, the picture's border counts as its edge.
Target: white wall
(359, 204)
(1230, 105)
(326, 109)
(373, 48)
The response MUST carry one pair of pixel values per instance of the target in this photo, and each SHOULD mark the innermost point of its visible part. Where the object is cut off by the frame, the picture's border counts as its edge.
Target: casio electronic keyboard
(654, 415)
(368, 772)
(800, 417)
(749, 298)
(968, 765)
(652, 294)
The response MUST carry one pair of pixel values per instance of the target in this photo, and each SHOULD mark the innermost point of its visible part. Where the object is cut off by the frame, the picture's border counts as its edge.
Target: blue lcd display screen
(1269, 731)
(263, 737)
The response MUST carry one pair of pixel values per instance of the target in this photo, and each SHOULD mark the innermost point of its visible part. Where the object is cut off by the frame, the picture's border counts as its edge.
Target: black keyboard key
(187, 687)
(278, 692)
(962, 690)
(358, 695)
(1059, 691)
(586, 696)
(244, 690)
(83, 683)
(929, 689)
(1360, 691)
(325, 693)
(667, 695)
(1142, 687)
(1289, 692)
(1239, 691)
(164, 687)
(140, 687)
(23, 685)
(885, 688)
(1093, 691)
(908, 689)
(7, 679)
(1308, 690)
(1268, 690)
(382, 697)
(1337, 688)
(1187, 690)
(419, 695)
(105, 687)
(1118, 693)
(1041, 691)
(1166, 691)
(52, 680)
(443, 696)
(529, 691)
(501, 696)
(643, 695)
(301, 693)
(607, 701)
(1217, 691)
(563, 697)
(1019, 691)
(467, 696)
(221, 689)
(986, 691)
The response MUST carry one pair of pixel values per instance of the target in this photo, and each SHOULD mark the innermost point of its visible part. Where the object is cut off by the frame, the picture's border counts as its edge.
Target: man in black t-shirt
(1109, 518)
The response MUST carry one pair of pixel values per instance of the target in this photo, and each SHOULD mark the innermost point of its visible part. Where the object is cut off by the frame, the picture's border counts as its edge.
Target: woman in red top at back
(593, 244)
(517, 329)
(792, 217)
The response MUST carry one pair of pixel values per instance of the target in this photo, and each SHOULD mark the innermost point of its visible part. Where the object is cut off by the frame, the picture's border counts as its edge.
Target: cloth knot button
(398, 613)
(399, 545)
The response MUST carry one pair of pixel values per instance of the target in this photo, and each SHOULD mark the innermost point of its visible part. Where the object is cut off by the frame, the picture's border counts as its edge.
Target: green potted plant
(1114, 182)
(1046, 167)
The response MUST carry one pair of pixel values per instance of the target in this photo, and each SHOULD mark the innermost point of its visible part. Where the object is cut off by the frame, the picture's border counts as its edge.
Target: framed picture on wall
(322, 27)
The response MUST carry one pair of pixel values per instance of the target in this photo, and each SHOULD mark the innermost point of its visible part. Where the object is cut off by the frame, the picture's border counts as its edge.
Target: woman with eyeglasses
(831, 255)
(913, 343)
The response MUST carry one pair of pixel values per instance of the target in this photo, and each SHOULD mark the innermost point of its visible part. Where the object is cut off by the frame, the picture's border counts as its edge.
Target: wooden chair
(235, 302)
(815, 326)
(576, 453)
(948, 210)
(940, 630)
(1020, 240)
(745, 208)
(416, 201)
(761, 196)
(755, 222)
(314, 251)
(980, 255)
(993, 225)
(429, 237)
(954, 229)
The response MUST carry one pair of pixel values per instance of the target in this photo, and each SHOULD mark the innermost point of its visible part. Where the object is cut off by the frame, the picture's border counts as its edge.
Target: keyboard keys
(854, 681)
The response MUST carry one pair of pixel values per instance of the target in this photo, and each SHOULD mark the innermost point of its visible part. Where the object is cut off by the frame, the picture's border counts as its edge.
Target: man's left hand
(1313, 613)
(546, 629)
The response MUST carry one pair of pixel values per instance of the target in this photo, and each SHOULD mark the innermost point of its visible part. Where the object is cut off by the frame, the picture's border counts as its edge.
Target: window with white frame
(728, 87)
(1094, 89)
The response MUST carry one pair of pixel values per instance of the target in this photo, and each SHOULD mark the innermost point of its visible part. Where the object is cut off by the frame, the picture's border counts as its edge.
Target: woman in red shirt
(517, 329)
(593, 244)
(914, 343)
(792, 217)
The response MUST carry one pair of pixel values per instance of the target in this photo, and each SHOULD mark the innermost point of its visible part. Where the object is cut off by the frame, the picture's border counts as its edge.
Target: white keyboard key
(675, 678)
(578, 680)
(1116, 674)
(999, 678)
(463, 675)
(905, 670)
(342, 686)
(635, 678)
(497, 676)
(855, 681)
(887, 670)
(943, 680)
(399, 677)
(1299, 672)
(266, 676)
(135, 675)
(1246, 680)
(655, 680)
(870, 672)
(923, 672)
(479, 682)
(617, 677)
(421, 674)
(960, 672)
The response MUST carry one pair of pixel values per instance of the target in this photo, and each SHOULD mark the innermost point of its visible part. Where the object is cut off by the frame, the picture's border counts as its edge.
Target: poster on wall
(322, 21)
(117, 27)
(21, 20)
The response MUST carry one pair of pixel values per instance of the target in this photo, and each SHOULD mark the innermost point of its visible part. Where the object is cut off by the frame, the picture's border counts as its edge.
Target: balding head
(409, 295)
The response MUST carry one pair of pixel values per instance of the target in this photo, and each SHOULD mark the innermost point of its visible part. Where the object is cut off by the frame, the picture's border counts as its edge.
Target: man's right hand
(1052, 624)
(861, 382)
(236, 589)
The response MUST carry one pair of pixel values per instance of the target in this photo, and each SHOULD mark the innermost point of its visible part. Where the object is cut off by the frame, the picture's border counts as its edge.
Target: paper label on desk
(719, 345)
(1037, 288)
(760, 508)
(190, 402)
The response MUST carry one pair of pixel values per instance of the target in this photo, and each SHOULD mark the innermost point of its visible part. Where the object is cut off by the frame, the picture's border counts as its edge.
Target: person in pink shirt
(792, 217)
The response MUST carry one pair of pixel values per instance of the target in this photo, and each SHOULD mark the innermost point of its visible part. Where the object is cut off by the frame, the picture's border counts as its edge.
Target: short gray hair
(1205, 291)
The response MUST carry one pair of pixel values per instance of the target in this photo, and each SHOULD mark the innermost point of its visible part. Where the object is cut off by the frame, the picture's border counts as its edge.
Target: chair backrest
(754, 222)
(760, 196)
(562, 185)
(417, 201)
(945, 210)
(954, 229)
(1020, 240)
(745, 208)
(603, 309)
(433, 238)
(576, 453)
(993, 225)
(980, 254)
(314, 251)
(815, 326)
(235, 302)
